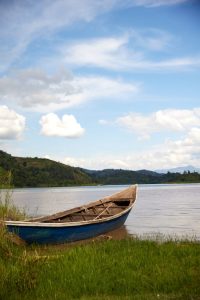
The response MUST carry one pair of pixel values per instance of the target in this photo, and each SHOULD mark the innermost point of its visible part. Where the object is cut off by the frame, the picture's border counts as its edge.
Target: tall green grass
(8, 211)
(126, 269)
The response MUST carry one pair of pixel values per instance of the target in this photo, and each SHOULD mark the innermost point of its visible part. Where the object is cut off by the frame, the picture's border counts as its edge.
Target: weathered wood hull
(61, 234)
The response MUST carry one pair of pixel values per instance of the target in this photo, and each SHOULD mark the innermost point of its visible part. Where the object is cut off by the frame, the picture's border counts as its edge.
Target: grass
(126, 269)
(8, 211)
(110, 269)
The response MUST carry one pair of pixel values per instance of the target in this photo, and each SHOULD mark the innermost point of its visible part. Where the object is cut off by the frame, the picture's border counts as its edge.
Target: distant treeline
(39, 172)
(112, 176)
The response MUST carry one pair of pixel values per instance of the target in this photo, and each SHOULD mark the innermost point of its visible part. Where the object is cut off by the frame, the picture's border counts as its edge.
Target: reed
(126, 269)
(8, 211)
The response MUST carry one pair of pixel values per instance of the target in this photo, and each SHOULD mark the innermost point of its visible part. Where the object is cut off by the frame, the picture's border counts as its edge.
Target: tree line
(40, 172)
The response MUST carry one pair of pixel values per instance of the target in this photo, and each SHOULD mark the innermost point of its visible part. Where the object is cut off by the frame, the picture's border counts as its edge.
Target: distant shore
(41, 172)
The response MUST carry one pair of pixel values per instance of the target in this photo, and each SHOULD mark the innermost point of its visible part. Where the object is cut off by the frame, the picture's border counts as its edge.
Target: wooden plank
(83, 216)
(92, 215)
(106, 209)
(101, 201)
(118, 207)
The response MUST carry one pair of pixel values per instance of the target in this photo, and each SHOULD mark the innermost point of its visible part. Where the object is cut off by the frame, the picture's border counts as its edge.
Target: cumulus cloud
(178, 120)
(11, 124)
(185, 151)
(33, 89)
(182, 151)
(170, 154)
(67, 126)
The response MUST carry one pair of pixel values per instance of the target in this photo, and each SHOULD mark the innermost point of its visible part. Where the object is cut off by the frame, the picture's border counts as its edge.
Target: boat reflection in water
(87, 221)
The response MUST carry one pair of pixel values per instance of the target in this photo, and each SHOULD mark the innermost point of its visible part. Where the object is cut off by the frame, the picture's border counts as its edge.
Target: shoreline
(102, 185)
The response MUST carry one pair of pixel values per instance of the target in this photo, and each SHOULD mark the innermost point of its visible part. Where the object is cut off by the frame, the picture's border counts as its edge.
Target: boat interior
(97, 210)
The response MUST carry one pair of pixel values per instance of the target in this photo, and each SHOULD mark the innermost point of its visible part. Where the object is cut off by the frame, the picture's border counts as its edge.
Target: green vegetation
(40, 172)
(111, 176)
(186, 177)
(126, 269)
(8, 211)
(108, 269)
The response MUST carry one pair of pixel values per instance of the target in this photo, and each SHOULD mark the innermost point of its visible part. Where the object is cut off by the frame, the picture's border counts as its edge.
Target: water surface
(166, 209)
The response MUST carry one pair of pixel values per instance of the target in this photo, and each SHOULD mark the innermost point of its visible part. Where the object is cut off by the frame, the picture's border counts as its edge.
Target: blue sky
(101, 84)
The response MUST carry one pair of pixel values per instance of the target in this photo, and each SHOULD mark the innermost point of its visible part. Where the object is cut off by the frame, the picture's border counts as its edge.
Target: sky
(101, 83)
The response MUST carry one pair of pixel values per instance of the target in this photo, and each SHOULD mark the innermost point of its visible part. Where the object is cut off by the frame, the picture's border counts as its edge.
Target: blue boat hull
(55, 235)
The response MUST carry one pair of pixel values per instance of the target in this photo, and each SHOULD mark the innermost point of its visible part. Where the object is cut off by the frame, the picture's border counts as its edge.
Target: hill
(41, 172)
(118, 176)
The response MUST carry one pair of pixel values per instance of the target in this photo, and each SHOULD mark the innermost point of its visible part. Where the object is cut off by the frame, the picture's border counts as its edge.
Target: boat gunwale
(74, 223)
(67, 224)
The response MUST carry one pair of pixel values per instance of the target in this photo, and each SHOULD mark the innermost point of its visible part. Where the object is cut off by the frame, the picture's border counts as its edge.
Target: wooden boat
(78, 223)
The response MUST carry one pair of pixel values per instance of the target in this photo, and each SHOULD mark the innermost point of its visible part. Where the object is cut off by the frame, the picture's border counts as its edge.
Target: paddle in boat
(79, 223)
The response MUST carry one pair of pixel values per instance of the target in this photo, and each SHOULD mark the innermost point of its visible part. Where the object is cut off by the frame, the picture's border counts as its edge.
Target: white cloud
(97, 163)
(22, 22)
(185, 151)
(171, 154)
(104, 122)
(11, 124)
(100, 52)
(99, 87)
(127, 52)
(178, 120)
(67, 126)
(34, 90)
(157, 3)
(74, 162)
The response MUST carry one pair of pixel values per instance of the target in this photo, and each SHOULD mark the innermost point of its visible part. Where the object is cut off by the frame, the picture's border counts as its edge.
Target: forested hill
(40, 172)
(112, 176)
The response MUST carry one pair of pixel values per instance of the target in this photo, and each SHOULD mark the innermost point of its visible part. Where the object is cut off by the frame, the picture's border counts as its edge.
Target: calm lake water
(166, 209)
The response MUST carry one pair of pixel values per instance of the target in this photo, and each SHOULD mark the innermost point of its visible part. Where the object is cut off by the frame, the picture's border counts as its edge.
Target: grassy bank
(108, 269)
(126, 269)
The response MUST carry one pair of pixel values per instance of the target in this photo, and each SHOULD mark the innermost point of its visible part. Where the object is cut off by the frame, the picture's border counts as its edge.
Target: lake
(167, 209)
